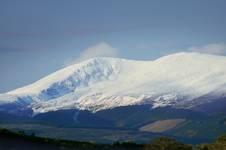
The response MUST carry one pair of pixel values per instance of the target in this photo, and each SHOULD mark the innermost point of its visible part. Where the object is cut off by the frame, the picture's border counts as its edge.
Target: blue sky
(39, 37)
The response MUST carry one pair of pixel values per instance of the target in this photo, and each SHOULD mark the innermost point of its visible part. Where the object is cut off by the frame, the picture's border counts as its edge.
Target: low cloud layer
(102, 49)
(218, 49)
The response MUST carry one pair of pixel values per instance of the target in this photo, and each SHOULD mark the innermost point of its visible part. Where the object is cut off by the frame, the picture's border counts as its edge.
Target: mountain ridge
(103, 83)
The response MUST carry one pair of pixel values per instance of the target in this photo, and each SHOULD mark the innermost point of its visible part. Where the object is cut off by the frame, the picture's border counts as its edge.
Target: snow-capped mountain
(178, 80)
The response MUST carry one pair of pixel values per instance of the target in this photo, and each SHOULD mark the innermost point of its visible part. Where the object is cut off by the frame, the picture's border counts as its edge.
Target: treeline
(21, 141)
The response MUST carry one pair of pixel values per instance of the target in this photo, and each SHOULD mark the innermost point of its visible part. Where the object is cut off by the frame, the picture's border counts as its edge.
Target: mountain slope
(179, 80)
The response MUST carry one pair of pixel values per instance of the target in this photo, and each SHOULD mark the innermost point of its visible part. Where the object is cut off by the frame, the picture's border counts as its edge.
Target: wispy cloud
(217, 48)
(100, 49)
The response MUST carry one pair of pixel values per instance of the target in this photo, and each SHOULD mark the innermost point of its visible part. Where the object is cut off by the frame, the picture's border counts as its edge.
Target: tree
(165, 143)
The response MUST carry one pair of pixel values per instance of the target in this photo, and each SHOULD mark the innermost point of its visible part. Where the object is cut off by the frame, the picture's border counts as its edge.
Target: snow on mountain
(103, 83)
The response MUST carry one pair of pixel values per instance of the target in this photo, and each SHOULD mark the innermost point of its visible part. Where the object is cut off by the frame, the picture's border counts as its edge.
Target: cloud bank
(218, 49)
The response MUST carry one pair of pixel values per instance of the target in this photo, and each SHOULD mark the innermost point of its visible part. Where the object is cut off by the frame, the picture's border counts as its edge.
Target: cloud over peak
(101, 49)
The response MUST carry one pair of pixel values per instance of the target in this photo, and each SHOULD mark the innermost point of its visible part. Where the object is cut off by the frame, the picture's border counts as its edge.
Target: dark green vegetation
(83, 134)
(123, 124)
(21, 141)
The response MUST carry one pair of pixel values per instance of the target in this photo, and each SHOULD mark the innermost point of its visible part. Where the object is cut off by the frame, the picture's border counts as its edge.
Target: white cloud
(101, 49)
(218, 48)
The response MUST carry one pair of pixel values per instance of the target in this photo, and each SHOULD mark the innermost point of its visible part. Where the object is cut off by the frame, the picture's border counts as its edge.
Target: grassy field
(122, 124)
(162, 125)
(209, 128)
(23, 141)
(83, 134)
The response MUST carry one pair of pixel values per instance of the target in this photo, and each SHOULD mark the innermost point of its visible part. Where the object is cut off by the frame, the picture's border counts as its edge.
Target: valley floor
(20, 141)
(100, 135)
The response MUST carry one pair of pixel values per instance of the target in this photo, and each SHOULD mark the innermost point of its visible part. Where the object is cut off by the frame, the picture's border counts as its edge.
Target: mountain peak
(104, 82)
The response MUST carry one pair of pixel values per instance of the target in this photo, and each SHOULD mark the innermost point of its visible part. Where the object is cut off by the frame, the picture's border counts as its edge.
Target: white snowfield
(103, 83)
